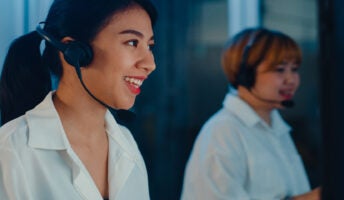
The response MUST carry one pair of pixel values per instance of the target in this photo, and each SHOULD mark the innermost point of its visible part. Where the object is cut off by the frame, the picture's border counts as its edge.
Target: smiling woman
(65, 144)
(122, 57)
(245, 151)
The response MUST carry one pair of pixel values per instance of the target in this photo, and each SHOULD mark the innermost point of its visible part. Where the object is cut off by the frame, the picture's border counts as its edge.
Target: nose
(147, 62)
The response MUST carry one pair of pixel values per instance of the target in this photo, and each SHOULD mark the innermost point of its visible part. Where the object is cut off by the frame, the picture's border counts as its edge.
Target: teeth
(134, 81)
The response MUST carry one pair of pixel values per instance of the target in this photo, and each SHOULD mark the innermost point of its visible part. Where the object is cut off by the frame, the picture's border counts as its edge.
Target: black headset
(76, 53)
(247, 73)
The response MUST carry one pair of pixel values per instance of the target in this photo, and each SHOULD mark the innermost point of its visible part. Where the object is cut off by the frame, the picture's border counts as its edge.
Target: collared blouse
(238, 156)
(38, 163)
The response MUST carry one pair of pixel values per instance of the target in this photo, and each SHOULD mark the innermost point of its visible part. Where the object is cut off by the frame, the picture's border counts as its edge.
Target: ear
(67, 40)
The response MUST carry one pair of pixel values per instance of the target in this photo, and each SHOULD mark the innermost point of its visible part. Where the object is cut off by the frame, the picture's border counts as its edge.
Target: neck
(79, 113)
(262, 108)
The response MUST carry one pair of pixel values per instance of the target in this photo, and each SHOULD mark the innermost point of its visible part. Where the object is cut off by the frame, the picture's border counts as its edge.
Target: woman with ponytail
(67, 143)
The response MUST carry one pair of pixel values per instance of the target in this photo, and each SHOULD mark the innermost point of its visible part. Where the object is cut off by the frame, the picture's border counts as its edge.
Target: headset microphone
(288, 103)
(285, 103)
(79, 54)
(123, 116)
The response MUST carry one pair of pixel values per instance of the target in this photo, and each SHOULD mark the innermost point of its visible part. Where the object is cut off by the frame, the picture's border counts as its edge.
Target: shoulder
(14, 133)
(221, 134)
(223, 125)
(13, 144)
(218, 146)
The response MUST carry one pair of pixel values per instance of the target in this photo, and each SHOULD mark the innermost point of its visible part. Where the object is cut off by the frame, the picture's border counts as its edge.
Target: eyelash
(295, 69)
(135, 43)
(281, 70)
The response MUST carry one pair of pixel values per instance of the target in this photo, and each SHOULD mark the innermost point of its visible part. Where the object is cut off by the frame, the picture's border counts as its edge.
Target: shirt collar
(116, 133)
(278, 124)
(45, 128)
(250, 118)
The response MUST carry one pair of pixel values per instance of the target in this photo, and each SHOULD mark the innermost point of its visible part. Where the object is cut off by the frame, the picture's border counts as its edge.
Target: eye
(133, 43)
(280, 69)
(151, 47)
(295, 68)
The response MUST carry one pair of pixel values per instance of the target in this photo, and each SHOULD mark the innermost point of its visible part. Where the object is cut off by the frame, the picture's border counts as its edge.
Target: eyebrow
(134, 32)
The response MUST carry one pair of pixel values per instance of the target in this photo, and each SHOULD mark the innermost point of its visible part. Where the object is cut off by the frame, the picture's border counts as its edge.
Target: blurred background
(188, 85)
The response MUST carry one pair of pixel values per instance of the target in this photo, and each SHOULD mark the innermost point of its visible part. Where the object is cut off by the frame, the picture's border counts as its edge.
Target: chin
(277, 106)
(280, 107)
(125, 106)
(123, 103)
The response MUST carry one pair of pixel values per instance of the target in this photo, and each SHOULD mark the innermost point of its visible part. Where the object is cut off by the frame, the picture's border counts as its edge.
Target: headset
(76, 53)
(247, 73)
(79, 54)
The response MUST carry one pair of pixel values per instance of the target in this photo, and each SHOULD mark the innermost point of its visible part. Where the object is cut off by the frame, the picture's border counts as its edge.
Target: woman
(69, 146)
(245, 151)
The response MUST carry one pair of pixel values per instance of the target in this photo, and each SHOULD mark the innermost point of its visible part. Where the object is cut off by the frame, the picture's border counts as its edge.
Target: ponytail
(24, 80)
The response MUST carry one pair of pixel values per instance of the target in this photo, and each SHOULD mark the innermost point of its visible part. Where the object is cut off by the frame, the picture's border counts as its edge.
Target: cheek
(269, 81)
(107, 65)
(268, 85)
(112, 65)
(297, 80)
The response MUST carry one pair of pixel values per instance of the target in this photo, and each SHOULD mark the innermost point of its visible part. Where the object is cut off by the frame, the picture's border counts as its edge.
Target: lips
(134, 84)
(286, 94)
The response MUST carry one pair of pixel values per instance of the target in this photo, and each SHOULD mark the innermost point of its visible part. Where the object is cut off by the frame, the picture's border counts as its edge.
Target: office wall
(18, 17)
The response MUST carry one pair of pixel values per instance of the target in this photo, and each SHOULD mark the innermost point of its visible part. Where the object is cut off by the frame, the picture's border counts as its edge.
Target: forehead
(267, 66)
(134, 17)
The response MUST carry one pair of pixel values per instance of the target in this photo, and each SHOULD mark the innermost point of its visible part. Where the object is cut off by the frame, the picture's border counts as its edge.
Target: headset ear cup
(241, 77)
(250, 77)
(78, 54)
(246, 76)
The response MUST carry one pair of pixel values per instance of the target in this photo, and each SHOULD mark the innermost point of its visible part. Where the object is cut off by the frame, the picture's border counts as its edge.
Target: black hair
(25, 78)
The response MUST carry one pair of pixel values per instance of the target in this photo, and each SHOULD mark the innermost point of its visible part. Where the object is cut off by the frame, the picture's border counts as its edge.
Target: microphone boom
(288, 103)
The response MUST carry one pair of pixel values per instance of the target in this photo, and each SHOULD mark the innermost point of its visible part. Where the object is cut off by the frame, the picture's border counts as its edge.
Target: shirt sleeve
(217, 168)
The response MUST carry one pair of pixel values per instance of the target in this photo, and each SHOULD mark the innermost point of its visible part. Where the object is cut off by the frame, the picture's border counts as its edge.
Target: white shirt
(238, 156)
(38, 163)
